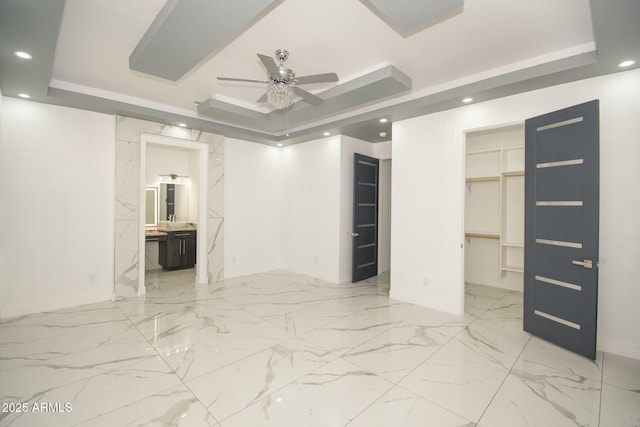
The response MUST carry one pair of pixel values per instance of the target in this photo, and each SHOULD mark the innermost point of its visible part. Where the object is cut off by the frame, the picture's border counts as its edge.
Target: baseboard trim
(423, 302)
(50, 304)
(626, 349)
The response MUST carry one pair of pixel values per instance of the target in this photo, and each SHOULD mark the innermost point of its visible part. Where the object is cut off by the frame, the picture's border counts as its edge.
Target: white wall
(426, 213)
(384, 217)
(253, 199)
(57, 220)
(311, 208)
(292, 207)
(428, 186)
(382, 150)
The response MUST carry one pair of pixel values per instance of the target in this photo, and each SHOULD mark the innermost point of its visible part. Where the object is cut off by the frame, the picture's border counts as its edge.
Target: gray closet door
(561, 227)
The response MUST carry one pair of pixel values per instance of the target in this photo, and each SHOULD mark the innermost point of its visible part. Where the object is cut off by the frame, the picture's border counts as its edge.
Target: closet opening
(494, 208)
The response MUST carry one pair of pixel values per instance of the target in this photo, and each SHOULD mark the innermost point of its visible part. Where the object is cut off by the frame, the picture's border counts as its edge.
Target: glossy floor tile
(281, 349)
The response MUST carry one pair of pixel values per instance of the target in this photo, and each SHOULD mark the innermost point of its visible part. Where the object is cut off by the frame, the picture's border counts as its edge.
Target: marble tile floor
(281, 349)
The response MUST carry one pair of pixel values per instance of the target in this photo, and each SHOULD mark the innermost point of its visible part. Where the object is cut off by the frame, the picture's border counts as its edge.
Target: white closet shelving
(494, 207)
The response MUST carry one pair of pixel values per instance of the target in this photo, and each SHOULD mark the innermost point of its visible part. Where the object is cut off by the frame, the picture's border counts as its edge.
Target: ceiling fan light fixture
(280, 95)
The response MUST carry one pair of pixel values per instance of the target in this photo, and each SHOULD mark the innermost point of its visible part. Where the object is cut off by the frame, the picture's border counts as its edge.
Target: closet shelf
(512, 268)
(483, 179)
(482, 234)
(513, 173)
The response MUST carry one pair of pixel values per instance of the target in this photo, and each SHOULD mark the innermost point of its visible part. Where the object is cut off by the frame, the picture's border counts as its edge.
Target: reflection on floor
(280, 349)
(160, 279)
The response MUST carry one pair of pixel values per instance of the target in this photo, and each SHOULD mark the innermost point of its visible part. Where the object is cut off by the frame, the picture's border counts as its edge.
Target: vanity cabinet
(178, 250)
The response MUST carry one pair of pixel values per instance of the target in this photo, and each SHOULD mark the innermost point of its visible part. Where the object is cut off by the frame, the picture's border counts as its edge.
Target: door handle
(587, 263)
(355, 234)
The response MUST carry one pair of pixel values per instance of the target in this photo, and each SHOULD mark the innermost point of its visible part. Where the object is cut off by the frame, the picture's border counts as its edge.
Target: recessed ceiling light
(382, 134)
(467, 100)
(627, 63)
(24, 95)
(384, 120)
(327, 133)
(182, 125)
(23, 55)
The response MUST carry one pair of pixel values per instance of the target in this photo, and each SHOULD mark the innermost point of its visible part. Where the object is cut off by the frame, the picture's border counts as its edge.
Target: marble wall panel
(176, 132)
(126, 259)
(215, 249)
(216, 144)
(129, 129)
(127, 186)
(215, 211)
(216, 185)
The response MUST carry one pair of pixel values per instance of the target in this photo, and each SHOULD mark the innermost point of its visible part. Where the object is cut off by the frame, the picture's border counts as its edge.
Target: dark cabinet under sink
(178, 250)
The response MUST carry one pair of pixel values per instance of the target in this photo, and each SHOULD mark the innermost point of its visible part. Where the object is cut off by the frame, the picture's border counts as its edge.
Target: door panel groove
(366, 246)
(557, 319)
(366, 265)
(375, 165)
(559, 243)
(558, 124)
(561, 163)
(560, 203)
(559, 283)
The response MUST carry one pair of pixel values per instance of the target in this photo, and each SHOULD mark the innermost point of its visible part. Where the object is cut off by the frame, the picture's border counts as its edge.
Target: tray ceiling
(394, 61)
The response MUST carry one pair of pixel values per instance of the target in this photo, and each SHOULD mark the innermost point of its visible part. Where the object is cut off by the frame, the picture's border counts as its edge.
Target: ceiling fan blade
(317, 78)
(231, 79)
(269, 63)
(263, 98)
(307, 96)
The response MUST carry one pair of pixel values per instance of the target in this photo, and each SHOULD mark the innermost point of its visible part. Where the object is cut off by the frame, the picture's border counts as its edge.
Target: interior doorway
(198, 204)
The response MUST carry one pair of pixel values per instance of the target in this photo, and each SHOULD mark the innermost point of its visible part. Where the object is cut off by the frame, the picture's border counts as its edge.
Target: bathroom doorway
(173, 178)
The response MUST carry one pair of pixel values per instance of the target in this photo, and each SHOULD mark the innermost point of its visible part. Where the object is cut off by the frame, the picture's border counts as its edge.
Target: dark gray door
(365, 217)
(561, 227)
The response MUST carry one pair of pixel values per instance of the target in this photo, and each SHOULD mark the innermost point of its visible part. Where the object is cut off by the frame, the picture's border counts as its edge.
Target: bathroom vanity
(176, 246)
(178, 250)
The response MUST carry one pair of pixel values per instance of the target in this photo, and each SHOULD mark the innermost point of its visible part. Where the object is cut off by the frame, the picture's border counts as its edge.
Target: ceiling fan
(283, 83)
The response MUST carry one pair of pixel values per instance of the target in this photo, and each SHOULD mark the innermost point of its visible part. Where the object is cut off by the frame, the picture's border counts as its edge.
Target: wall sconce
(174, 178)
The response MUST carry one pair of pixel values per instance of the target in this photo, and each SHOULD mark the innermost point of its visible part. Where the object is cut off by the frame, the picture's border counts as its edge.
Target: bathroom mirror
(174, 200)
(151, 207)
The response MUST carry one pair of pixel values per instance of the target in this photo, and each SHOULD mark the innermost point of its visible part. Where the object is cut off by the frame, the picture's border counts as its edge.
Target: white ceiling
(492, 48)
(343, 36)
